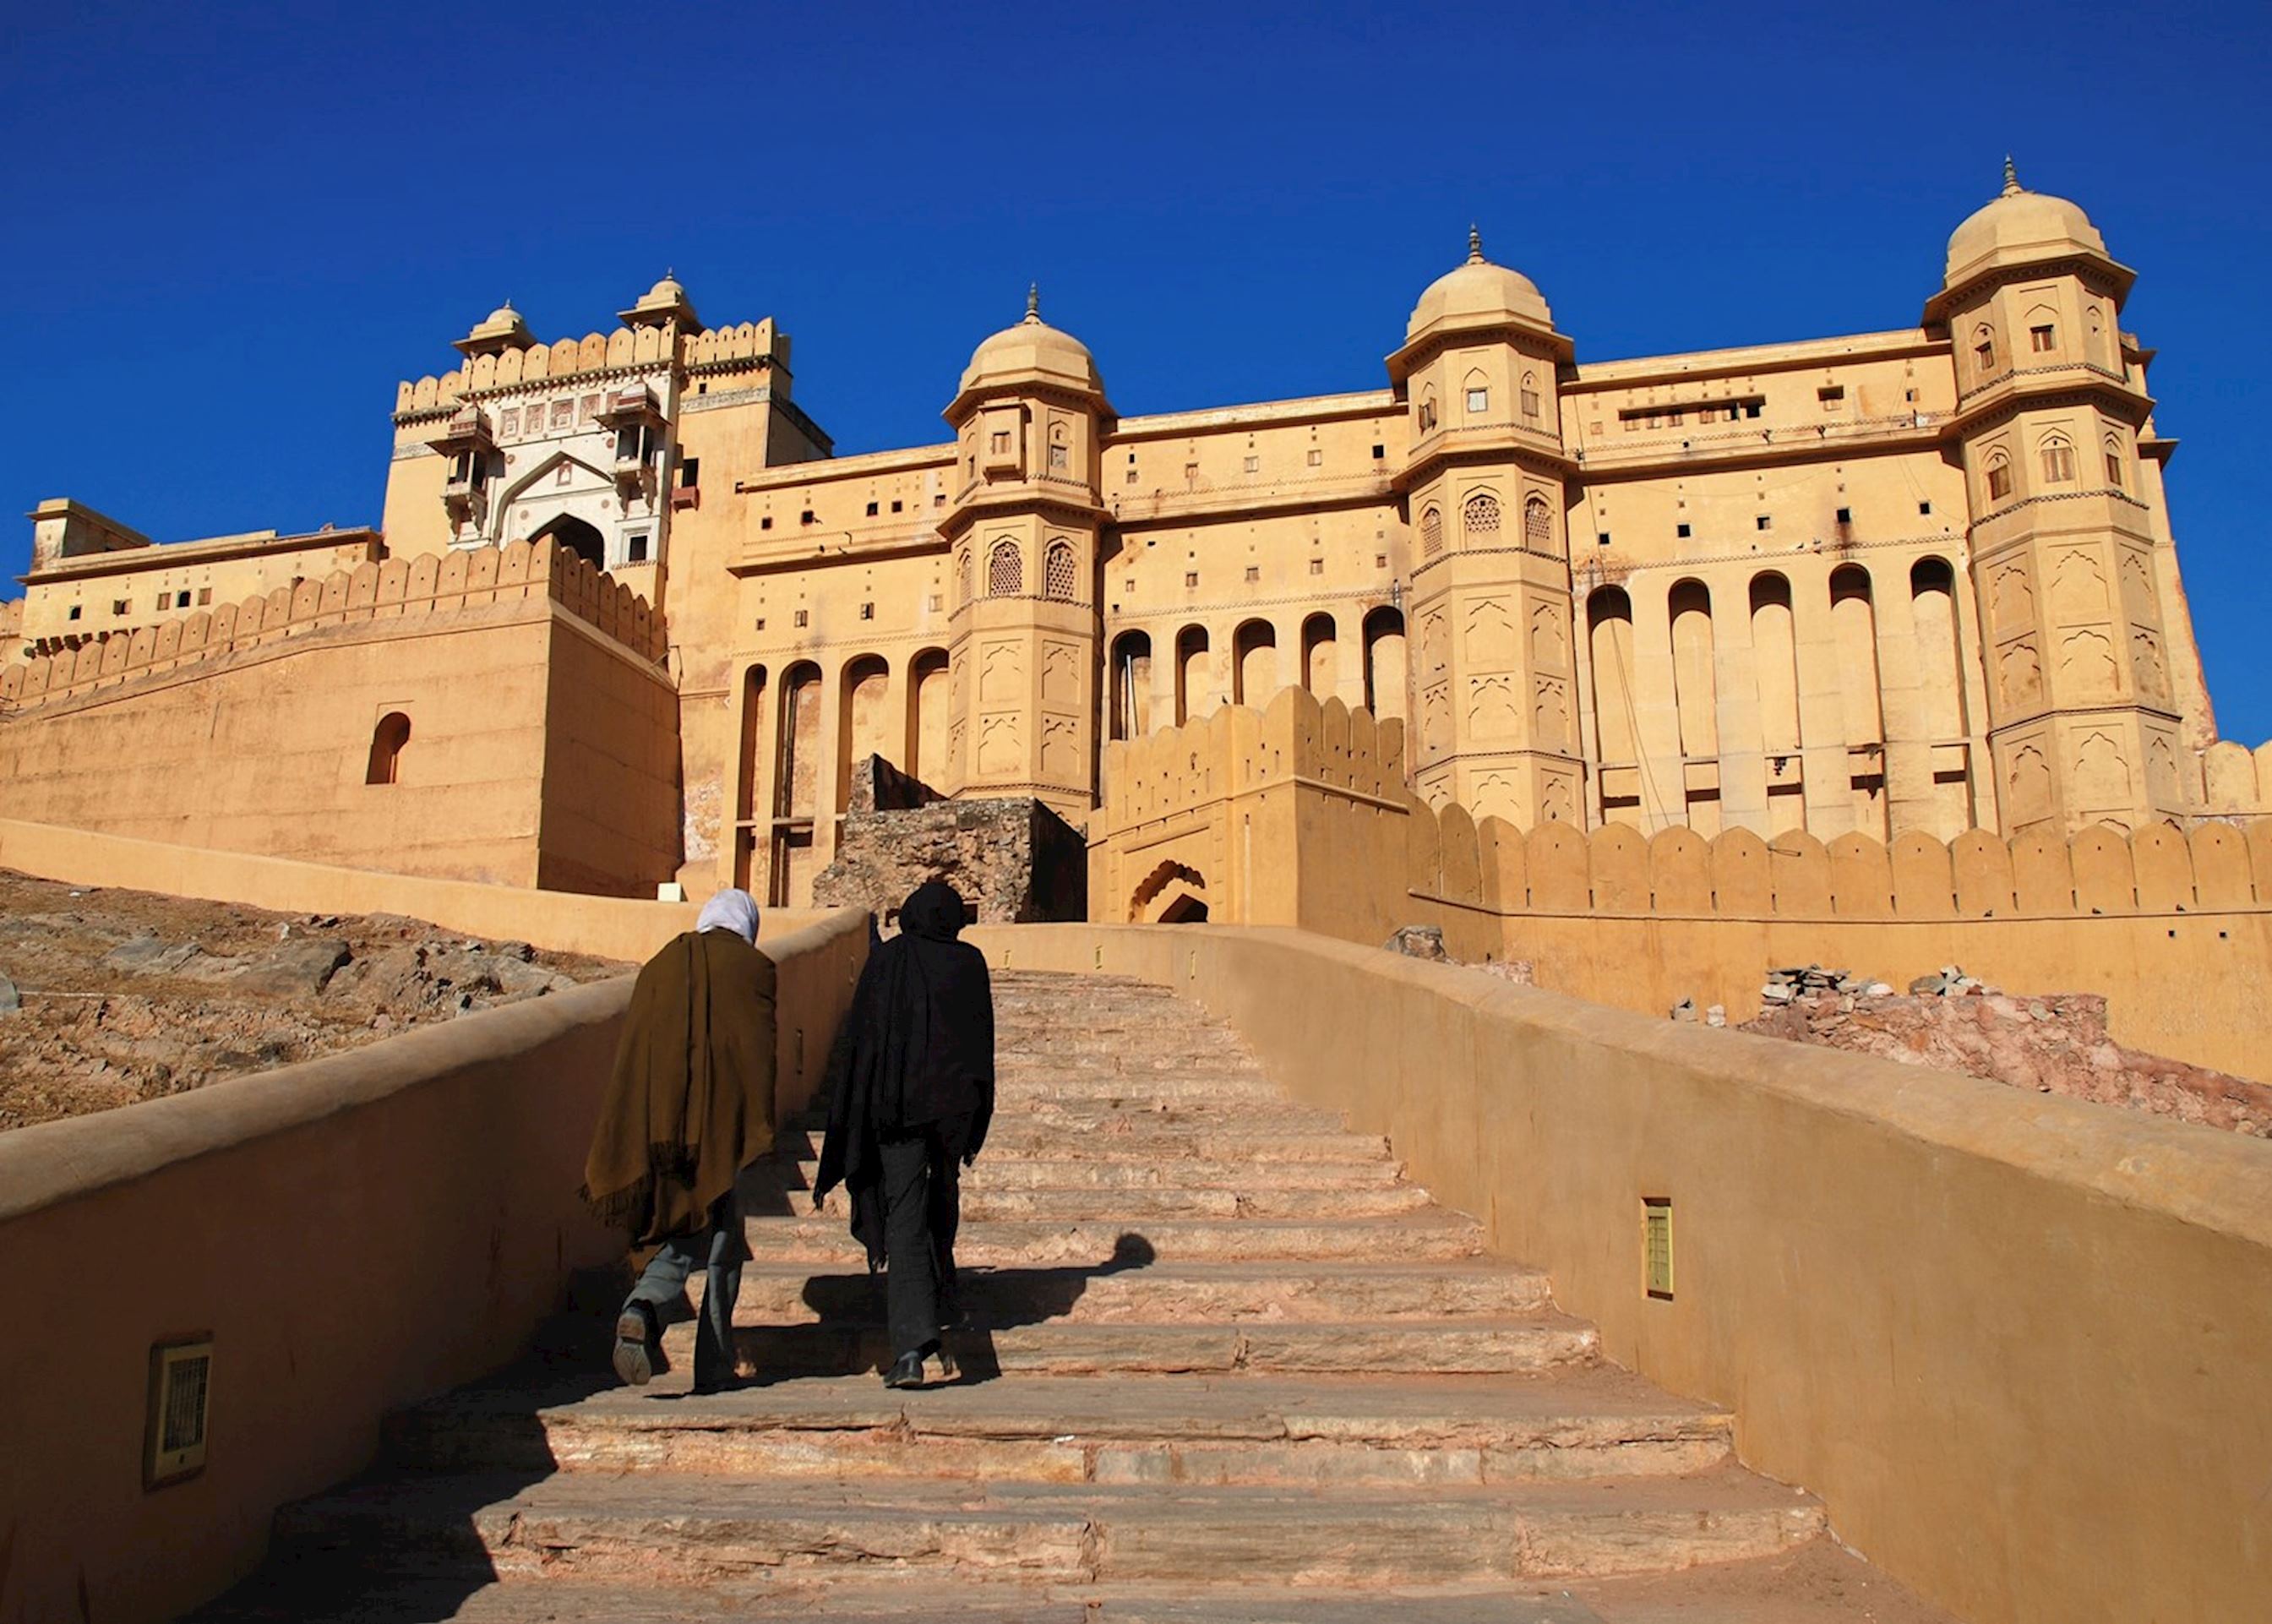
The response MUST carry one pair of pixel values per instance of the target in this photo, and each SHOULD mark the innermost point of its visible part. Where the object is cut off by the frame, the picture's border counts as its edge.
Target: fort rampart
(2015, 1342)
(353, 1234)
(1299, 816)
(742, 344)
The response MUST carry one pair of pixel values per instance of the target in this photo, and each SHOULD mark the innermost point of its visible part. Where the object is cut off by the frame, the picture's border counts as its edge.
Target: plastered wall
(1297, 816)
(2015, 1342)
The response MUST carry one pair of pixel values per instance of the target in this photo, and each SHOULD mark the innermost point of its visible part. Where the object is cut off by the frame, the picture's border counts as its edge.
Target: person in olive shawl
(911, 1093)
(690, 1106)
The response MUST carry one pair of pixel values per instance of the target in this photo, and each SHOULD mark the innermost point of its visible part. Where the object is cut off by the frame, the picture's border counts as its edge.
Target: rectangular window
(74, 613)
(1317, 566)
(1845, 515)
(1656, 1245)
(1601, 538)
(939, 500)
(1999, 483)
(1831, 398)
(566, 471)
(804, 618)
(1682, 531)
(1254, 465)
(1925, 509)
(2114, 469)
(160, 604)
(2059, 464)
(181, 600)
(1530, 403)
(204, 596)
(1380, 561)
(1379, 452)
(998, 443)
(761, 623)
(934, 603)
(1764, 522)
(867, 611)
(1131, 477)
(1316, 456)
(896, 506)
(1058, 456)
(807, 517)
(1751, 410)
(1190, 578)
(1253, 573)
(690, 473)
(1983, 353)
(766, 523)
(1479, 402)
(118, 606)
(872, 510)
(1677, 419)
(635, 549)
(2042, 339)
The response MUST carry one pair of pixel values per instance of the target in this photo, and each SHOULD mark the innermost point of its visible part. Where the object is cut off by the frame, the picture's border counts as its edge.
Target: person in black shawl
(911, 1092)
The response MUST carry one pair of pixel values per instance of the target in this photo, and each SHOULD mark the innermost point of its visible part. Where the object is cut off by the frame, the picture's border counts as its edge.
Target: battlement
(749, 345)
(426, 584)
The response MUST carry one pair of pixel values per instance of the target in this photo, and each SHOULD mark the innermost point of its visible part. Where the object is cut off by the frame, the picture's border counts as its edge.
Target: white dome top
(1479, 291)
(2019, 225)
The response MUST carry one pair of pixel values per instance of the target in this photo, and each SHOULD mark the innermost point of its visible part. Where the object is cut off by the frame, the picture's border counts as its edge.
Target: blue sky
(235, 227)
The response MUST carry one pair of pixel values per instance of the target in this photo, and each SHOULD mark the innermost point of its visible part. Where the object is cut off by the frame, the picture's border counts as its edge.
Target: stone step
(1006, 1243)
(1125, 1291)
(1528, 1346)
(1033, 1172)
(1321, 1432)
(1105, 1081)
(695, 1528)
(1077, 1205)
(1158, 1143)
(1135, 1113)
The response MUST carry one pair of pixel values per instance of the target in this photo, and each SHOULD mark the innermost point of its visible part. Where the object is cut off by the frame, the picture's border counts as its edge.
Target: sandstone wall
(1014, 858)
(354, 1234)
(2015, 1342)
(1298, 816)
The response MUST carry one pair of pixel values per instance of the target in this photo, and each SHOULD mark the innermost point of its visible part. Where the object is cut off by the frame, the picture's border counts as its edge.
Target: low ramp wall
(354, 1233)
(2021, 1344)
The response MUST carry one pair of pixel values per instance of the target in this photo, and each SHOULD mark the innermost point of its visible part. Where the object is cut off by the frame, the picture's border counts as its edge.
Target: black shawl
(916, 1048)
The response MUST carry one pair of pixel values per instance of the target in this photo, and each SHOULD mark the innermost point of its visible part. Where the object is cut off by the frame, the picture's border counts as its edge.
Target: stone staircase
(1221, 1365)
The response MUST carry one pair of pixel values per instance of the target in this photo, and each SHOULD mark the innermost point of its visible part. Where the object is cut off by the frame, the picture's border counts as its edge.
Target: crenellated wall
(1298, 816)
(426, 584)
(624, 347)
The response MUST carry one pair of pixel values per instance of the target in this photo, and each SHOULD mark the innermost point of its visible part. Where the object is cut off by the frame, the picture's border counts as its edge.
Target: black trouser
(720, 1250)
(923, 1207)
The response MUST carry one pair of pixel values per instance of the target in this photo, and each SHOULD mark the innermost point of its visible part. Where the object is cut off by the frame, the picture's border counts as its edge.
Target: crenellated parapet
(426, 584)
(625, 349)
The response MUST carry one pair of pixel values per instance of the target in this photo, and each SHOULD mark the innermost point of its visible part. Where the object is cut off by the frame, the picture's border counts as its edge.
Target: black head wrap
(916, 1048)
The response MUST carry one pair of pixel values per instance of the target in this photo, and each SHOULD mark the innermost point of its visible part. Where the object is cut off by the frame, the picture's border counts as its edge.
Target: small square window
(1479, 402)
(872, 510)
(1845, 515)
(160, 604)
(635, 549)
(1191, 471)
(934, 603)
(867, 611)
(1763, 522)
(761, 623)
(1380, 561)
(181, 600)
(1682, 531)
(1999, 482)
(1317, 457)
(1379, 453)
(807, 517)
(1909, 394)
(998, 443)
(204, 596)
(1601, 538)
(939, 500)
(1317, 566)
(1190, 578)
(118, 606)
(1923, 509)
(74, 613)
(1254, 572)
(1254, 465)
(896, 506)
(1751, 408)
(2043, 338)
(804, 618)
(766, 523)
(1131, 477)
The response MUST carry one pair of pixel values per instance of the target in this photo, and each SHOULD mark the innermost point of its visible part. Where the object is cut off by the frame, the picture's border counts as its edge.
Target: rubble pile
(110, 997)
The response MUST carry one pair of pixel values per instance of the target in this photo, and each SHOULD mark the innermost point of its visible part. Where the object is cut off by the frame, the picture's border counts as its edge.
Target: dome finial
(2012, 187)
(1033, 301)
(1475, 244)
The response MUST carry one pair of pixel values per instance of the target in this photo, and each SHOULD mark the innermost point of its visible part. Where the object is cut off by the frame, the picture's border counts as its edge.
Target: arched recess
(1941, 682)
(747, 799)
(1854, 630)
(1609, 636)
(1194, 683)
(1693, 681)
(1774, 652)
(1131, 684)
(796, 768)
(1321, 654)
(1387, 667)
(1254, 673)
(387, 739)
(927, 717)
(1172, 894)
(1059, 572)
(863, 729)
(1431, 532)
(577, 536)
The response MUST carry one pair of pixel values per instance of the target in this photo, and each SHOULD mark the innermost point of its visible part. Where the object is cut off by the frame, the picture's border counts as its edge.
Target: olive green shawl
(691, 1100)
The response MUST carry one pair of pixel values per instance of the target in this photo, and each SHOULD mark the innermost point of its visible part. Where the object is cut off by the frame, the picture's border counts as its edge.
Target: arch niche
(1172, 894)
(575, 535)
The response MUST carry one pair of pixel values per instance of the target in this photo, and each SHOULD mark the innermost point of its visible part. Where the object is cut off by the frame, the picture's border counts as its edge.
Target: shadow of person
(847, 1336)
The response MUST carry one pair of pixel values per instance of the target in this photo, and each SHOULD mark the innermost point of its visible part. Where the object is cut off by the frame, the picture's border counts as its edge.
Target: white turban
(731, 910)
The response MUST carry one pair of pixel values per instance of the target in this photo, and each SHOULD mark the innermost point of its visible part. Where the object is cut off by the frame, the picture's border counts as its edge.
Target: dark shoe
(907, 1372)
(635, 1339)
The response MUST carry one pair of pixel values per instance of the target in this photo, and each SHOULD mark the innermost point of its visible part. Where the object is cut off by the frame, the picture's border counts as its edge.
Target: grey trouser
(720, 1250)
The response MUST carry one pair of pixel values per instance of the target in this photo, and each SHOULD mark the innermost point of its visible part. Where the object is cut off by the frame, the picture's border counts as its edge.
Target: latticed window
(2058, 462)
(1480, 516)
(1431, 533)
(1006, 571)
(963, 575)
(1538, 524)
(1057, 573)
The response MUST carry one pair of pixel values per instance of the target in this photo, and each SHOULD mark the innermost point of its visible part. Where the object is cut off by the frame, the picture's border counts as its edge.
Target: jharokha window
(1480, 516)
(1058, 574)
(1431, 533)
(1006, 571)
(2058, 462)
(1538, 524)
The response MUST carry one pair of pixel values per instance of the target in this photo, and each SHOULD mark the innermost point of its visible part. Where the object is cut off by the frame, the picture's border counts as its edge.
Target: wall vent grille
(181, 1389)
(1657, 1245)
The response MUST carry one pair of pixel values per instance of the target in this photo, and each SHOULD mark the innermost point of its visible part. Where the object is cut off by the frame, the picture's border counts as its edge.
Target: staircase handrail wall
(2014, 1340)
(354, 1233)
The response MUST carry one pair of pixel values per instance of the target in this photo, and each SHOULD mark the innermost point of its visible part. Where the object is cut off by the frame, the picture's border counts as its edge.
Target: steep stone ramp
(1222, 1362)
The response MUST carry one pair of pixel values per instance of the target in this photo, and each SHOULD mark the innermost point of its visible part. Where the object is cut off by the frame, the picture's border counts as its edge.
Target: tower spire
(1475, 244)
(2011, 177)
(1033, 300)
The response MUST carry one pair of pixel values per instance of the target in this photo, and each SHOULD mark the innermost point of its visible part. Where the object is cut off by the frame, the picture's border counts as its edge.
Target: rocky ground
(110, 997)
(2053, 1044)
